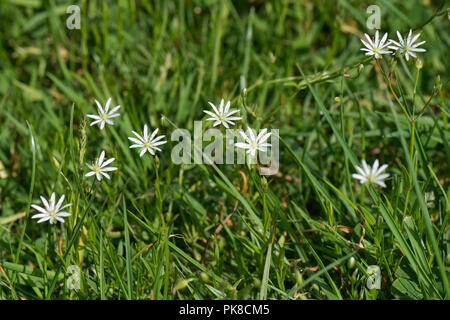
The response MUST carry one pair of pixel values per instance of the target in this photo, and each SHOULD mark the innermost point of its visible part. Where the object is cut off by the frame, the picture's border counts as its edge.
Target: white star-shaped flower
(254, 143)
(371, 175)
(146, 142)
(222, 115)
(104, 115)
(407, 47)
(376, 47)
(52, 211)
(99, 168)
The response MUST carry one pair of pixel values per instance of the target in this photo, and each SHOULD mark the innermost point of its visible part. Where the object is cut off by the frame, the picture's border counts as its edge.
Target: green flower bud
(181, 284)
(244, 93)
(205, 278)
(351, 262)
(419, 64)
(264, 184)
(298, 277)
(360, 68)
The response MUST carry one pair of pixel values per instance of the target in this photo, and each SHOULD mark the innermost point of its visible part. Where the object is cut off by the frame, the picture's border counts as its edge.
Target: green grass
(157, 230)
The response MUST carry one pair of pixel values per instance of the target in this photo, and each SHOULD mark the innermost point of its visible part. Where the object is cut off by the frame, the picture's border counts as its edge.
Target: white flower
(100, 168)
(254, 143)
(377, 47)
(407, 47)
(372, 174)
(51, 211)
(222, 116)
(104, 115)
(146, 142)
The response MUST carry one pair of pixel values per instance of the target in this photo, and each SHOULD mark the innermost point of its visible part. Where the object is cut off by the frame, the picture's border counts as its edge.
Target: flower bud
(438, 80)
(298, 277)
(419, 64)
(351, 262)
(205, 278)
(181, 284)
(360, 68)
(264, 185)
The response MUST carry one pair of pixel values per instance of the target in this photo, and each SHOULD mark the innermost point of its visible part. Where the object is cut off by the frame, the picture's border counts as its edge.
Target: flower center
(147, 145)
(104, 117)
(370, 179)
(52, 213)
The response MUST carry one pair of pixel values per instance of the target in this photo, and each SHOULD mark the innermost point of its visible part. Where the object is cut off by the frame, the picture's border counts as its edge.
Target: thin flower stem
(73, 238)
(389, 83)
(158, 189)
(413, 123)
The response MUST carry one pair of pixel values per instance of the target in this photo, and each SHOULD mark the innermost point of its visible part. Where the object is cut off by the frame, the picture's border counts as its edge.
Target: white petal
(59, 219)
(114, 110)
(358, 176)
(101, 158)
(135, 140)
(104, 164)
(105, 174)
(366, 168)
(107, 105)
(380, 183)
(109, 169)
(95, 122)
(154, 134)
(145, 132)
(39, 215)
(369, 40)
(141, 138)
(382, 168)
(227, 107)
(374, 168)
(242, 145)
(60, 201)
(214, 108)
(38, 208)
(221, 106)
(43, 219)
(65, 206)
(99, 106)
(63, 214)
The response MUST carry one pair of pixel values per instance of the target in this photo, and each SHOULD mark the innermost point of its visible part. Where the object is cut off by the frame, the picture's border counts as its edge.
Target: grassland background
(288, 239)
